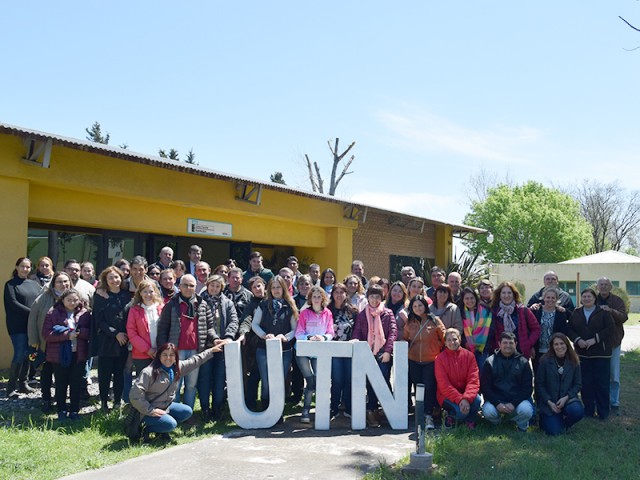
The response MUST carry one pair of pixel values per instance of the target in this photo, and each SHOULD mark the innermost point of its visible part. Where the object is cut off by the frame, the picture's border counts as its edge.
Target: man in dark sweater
(507, 385)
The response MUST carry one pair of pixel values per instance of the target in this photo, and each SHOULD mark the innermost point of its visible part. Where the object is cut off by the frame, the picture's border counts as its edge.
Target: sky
(431, 91)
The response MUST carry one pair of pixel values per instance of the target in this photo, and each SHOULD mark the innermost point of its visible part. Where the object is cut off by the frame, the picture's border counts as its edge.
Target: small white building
(576, 274)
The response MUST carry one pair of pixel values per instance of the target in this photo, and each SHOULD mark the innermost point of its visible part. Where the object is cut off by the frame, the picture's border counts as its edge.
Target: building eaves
(128, 155)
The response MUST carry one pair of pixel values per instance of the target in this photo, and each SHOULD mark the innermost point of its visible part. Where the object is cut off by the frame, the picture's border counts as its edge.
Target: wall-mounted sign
(211, 229)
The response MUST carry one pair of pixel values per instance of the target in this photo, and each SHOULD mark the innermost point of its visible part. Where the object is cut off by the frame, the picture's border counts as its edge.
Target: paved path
(286, 453)
(631, 339)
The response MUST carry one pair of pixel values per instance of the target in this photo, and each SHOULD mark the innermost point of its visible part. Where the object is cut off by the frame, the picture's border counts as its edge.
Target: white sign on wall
(211, 229)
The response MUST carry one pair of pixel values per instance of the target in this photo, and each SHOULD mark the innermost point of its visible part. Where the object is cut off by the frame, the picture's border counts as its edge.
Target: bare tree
(478, 185)
(614, 214)
(315, 178)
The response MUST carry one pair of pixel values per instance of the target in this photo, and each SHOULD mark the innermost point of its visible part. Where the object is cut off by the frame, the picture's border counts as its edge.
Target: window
(633, 288)
(61, 246)
(419, 264)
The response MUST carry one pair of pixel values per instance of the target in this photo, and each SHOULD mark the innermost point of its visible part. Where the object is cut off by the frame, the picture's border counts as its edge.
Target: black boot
(23, 386)
(104, 406)
(13, 378)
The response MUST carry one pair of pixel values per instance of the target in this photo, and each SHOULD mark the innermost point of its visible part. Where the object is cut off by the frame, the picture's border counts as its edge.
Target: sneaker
(62, 416)
(305, 417)
(428, 421)
(372, 419)
(164, 437)
(334, 413)
(615, 410)
(449, 422)
(74, 416)
(523, 430)
(347, 414)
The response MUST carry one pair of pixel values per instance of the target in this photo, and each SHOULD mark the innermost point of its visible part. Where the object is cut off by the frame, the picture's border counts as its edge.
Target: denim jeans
(68, 378)
(20, 342)
(190, 380)
(454, 410)
(481, 357)
(176, 413)
(595, 386)
(372, 398)
(211, 379)
(614, 382)
(520, 416)
(341, 383)
(554, 424)
(261, 360)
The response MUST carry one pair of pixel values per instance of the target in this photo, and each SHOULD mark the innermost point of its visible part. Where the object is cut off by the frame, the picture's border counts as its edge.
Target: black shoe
(46, 406)
(294, 400)
(104, 406)
(615, 410)
(164, 437)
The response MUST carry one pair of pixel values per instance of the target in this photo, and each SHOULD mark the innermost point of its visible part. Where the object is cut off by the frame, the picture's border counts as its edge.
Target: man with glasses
(187, 322)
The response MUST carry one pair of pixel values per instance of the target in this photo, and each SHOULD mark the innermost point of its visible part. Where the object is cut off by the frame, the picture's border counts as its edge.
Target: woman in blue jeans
(276, 317)
(344, 315)
(154, 392)
(558, 381)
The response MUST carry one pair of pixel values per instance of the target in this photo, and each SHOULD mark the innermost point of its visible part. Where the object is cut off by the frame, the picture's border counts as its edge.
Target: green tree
(277, 177)
(95, 134)
(530, 224)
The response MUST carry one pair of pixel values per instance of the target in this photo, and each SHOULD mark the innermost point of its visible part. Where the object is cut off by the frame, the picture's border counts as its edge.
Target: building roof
(128, 155)
(609, 256)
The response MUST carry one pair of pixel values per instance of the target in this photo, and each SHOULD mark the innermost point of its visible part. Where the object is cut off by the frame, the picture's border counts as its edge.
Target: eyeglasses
(168, 355)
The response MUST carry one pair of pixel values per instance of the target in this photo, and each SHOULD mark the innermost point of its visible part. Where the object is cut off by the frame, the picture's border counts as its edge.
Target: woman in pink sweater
(316, 325)
(142, 324)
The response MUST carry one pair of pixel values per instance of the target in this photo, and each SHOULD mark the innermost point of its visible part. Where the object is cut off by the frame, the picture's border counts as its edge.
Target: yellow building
(69, 198)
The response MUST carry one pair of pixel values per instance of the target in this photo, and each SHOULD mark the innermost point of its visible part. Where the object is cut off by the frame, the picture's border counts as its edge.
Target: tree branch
(311, 179)
(636, 29)
(320, 182)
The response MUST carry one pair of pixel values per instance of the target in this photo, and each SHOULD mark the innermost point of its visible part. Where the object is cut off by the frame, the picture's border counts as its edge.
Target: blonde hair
(137, 297)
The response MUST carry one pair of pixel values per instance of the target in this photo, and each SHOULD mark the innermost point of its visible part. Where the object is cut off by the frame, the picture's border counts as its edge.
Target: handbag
(133, 418)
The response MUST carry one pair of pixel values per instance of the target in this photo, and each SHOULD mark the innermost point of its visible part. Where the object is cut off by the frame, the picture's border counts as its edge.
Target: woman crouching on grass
(558, 381)
(154, 392)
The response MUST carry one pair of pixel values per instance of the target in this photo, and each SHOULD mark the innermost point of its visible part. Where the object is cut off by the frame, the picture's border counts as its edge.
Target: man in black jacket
(507, 384)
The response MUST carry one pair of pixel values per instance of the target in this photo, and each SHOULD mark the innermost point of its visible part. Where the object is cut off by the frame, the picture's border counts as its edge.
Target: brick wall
(382, 235)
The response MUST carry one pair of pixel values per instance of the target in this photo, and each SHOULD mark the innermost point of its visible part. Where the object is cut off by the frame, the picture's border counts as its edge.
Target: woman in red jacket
(509, 315)
(67, 331)
(458, 381)
(142, 324)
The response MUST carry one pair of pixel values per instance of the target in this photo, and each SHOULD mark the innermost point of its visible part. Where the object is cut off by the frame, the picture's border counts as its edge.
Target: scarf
(216, 303)
(169, 371)
(395, 307)
(505, 312)
(375, 336)
(191, 311)
(277, 304)
(476, 325)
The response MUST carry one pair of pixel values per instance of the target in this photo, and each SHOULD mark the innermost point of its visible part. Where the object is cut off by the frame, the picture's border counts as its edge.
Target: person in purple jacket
(67, 331)
(376, 325)
(315, 324)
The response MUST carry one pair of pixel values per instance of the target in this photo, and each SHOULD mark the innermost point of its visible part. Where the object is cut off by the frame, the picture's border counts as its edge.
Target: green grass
(36, 446)
(591, 450)
(634, 319)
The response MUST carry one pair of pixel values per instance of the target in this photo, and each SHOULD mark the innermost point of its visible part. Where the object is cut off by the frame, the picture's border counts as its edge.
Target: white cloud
(423, 131)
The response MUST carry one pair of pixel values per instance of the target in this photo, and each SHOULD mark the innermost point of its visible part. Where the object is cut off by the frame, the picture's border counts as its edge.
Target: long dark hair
(423, 301)
(470, 290)
(156, 364)
(347, 306)
(571, 354)
(18, 262)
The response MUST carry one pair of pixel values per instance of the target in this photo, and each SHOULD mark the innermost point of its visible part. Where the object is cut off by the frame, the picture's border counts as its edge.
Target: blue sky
(430, 91)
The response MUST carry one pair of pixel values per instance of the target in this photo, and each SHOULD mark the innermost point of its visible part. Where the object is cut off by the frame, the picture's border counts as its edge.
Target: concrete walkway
(631, 339)
(284, 452)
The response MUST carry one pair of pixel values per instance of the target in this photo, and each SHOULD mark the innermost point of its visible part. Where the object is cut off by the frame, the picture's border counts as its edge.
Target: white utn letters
(244, 417)
(365, 367)
(324, 352)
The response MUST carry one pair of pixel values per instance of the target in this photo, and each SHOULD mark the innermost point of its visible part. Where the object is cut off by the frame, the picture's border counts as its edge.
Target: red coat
(528, 329)
(58, 316)
(457, 376)
(138, 332)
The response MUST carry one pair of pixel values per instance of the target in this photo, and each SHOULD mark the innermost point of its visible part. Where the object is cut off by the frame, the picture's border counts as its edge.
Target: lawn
(634, 319)
(35, 446)
(591, 450)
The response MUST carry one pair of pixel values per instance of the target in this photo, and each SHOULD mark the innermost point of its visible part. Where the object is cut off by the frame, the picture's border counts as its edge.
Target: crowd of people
(478, 350)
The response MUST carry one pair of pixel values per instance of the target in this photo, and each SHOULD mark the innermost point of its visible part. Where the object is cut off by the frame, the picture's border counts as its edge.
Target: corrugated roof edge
(123, 154)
